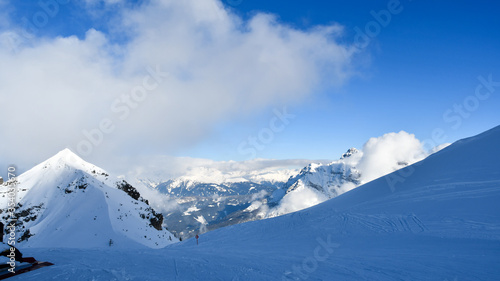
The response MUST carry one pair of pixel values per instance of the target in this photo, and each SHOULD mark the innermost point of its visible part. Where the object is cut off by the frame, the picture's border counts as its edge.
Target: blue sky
(423, 63)
(416, 69)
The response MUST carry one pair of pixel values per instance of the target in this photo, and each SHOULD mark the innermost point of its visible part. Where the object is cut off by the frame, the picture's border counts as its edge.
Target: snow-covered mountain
(328, 180)
(437, 219)
(317, 183)
(210, 181)
(202, 171)
(67, 202)
(208, 198)
(187, 188)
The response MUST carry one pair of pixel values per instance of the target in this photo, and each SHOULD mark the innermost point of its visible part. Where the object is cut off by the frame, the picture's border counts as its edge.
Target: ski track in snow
(386, 223)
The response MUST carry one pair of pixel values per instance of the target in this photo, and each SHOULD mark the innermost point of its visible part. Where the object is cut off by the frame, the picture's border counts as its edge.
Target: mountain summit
(67, 202)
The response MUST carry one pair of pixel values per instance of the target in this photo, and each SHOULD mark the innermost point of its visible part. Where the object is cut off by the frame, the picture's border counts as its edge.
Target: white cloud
(162, 168)
(388, 153)
(439, 147)
(299, 199)
(220, 67)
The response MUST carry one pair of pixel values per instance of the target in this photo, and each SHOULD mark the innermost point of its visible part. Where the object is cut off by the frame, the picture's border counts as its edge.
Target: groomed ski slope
(438, 219)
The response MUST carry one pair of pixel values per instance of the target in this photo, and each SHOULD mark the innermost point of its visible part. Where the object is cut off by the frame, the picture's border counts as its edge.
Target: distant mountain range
(65, 192)
(207, 203)
(209, 198)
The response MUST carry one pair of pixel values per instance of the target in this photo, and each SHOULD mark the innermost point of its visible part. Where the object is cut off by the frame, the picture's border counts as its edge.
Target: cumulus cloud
(159, 201)
(297, 200)
(102, 96)
(388, 153)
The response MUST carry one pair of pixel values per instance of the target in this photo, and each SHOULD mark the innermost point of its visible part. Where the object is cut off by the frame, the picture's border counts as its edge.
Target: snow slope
(438, 219)
(67, 202)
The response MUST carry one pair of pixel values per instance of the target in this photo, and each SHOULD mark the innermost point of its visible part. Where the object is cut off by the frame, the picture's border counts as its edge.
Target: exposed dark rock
(129, 189)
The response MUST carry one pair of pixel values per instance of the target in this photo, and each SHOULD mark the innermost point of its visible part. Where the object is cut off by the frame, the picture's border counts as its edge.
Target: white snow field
(438, 219)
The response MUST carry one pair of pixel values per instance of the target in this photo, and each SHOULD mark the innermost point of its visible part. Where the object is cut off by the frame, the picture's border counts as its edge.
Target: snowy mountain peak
(67, 158)
(351, 151)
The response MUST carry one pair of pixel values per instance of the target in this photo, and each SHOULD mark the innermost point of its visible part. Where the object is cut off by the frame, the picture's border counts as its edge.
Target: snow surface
(438, 219)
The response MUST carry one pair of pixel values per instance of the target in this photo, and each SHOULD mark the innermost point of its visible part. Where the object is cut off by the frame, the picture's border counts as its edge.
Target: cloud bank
(388, 153)
(163, 77)
(162, 168)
